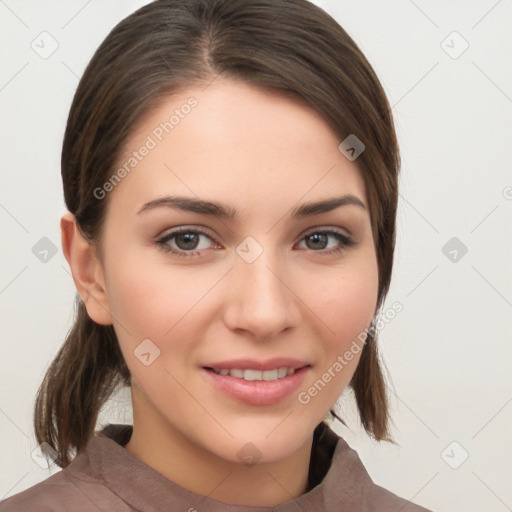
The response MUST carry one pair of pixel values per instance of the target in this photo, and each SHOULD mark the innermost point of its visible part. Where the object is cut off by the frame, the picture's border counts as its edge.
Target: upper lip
(253, 364)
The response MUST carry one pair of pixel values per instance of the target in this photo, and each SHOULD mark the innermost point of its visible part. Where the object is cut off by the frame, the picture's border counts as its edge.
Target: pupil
(189, 239)
(317, 237)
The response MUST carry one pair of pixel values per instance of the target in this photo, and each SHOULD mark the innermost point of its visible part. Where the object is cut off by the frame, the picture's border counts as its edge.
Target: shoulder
(368, 495)
(73, 488)
(383, 500)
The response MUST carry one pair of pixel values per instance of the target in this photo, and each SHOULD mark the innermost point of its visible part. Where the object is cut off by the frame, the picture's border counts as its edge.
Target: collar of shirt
(345, 479)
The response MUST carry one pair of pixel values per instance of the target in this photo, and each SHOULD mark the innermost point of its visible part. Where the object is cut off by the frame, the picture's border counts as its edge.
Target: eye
(319, 240)
(186, 242)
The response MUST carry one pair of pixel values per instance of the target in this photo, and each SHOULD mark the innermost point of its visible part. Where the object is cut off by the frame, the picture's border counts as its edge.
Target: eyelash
(345, 241)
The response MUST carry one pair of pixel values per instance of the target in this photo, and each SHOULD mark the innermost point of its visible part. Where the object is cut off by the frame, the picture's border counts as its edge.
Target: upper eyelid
(180, 229)
(326, 228)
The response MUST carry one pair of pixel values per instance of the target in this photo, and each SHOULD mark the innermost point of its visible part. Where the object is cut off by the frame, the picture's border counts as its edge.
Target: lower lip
(258, 392)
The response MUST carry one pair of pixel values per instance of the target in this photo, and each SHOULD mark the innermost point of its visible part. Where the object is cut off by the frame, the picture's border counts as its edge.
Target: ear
(87, 270)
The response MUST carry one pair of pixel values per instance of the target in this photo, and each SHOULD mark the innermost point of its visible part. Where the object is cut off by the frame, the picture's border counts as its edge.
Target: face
(263, 284)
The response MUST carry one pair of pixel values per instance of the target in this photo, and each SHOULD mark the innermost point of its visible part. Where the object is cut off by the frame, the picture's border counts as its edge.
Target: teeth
(256, 374)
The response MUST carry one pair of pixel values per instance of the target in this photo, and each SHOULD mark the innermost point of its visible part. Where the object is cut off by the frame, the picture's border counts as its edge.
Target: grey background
(448, 351)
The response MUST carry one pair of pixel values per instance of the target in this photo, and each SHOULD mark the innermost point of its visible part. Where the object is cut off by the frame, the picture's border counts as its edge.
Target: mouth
(256, 387)
(256, 375)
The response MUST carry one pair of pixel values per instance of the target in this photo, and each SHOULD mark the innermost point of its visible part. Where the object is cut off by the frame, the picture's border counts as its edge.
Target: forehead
(236, 142)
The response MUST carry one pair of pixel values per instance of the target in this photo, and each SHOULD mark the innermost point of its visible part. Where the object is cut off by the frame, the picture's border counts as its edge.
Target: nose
(261, 299)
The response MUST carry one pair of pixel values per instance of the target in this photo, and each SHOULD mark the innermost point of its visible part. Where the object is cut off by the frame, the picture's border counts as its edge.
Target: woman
(230, 170)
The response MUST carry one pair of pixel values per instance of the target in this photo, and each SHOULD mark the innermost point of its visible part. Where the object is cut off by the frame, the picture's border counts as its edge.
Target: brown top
(106, 477)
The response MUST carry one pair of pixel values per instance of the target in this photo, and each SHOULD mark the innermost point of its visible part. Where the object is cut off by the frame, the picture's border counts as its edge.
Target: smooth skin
(262, 153)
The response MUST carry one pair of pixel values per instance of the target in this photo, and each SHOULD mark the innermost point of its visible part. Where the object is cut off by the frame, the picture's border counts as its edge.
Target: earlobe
(86, 269)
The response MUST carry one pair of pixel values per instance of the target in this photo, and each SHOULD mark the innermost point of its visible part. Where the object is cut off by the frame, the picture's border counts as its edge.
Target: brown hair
(290, 46)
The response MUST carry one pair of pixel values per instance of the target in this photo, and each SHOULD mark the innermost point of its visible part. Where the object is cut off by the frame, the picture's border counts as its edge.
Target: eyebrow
(219, 210)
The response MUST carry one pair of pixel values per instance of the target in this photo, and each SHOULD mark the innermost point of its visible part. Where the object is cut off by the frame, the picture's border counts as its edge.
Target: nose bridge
(261, 303)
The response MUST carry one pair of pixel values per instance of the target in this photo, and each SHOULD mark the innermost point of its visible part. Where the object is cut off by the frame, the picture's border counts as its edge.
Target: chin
(266, 446)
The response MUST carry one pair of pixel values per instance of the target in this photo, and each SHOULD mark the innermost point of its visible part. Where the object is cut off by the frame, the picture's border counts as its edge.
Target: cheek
(346, 307)
(345, 301)
(156, 301)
